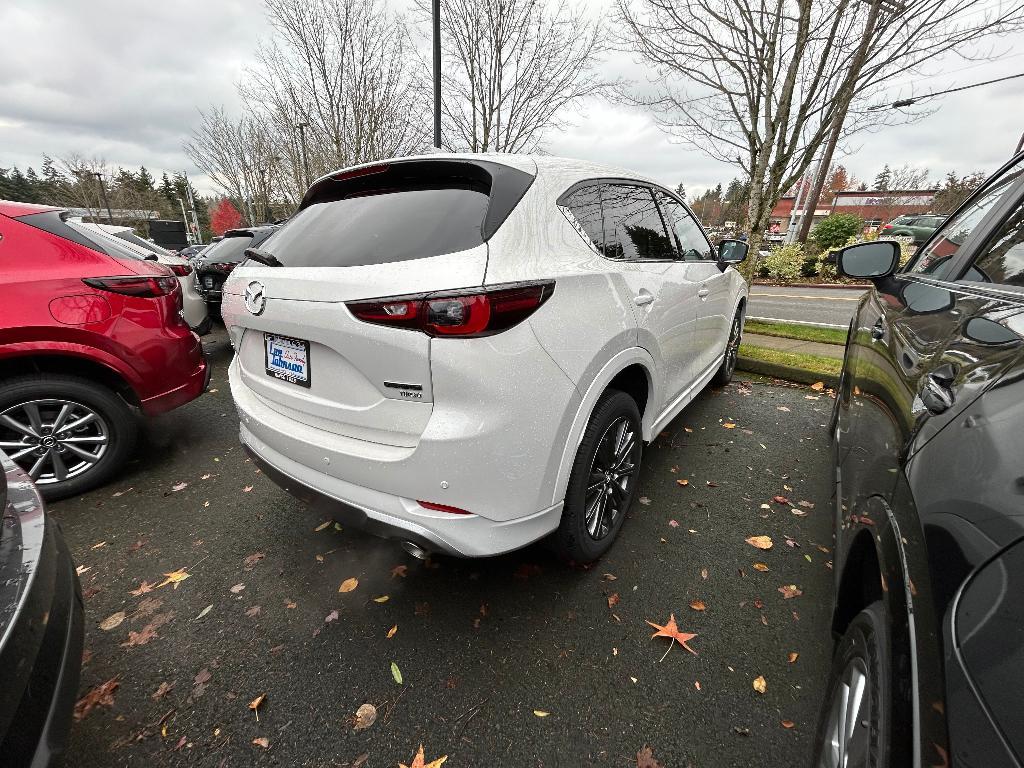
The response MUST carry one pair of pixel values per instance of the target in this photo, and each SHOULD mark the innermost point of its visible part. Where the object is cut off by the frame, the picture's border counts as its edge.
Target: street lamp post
(184, 220)
(103, 189)
(437, 74)
(305, 154)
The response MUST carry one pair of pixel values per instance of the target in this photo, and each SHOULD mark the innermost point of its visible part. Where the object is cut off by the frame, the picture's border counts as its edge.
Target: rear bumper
(193, 386)
(394, 517)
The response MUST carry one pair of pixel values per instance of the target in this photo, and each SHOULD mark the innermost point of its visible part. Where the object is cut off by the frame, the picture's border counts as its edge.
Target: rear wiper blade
(263, 257)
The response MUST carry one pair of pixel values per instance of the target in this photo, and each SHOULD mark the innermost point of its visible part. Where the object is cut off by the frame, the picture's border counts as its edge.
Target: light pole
(184, 220)
(305, 155)
(192, 206)
(437, 74)
(103, 189)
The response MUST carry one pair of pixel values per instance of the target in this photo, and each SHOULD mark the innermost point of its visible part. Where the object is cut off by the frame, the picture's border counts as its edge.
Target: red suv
(89, 336)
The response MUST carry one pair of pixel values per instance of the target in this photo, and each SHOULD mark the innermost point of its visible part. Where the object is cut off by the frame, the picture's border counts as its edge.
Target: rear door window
(634, 230)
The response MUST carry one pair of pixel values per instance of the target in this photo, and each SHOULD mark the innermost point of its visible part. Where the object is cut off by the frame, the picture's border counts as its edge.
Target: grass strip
(812, 363)
(795, 331)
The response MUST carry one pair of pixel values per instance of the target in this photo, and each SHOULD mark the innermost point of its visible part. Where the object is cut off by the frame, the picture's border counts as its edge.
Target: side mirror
(732, 251)
(869, 261)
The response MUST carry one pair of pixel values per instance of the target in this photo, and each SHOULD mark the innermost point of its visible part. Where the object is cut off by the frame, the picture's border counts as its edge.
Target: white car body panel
(499, 419)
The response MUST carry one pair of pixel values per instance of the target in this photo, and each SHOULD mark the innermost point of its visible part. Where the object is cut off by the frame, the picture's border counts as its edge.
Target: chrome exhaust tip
(415, 550)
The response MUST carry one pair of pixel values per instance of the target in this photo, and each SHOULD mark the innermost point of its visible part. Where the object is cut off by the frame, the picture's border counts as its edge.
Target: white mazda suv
(466, 353)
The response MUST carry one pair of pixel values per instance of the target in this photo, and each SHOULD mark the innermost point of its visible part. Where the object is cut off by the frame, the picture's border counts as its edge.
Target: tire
(108, 437)
(728, 367)
(603, 485)
(863, 651)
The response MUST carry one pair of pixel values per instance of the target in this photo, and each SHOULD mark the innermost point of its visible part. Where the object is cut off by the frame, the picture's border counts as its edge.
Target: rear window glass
(383, 226)
(229, 249)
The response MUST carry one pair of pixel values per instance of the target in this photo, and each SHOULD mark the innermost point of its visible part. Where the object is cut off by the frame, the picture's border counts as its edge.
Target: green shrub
(835, 230)
(783, 263)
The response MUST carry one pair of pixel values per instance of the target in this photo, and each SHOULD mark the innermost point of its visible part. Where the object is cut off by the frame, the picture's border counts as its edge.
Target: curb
(848, 286)
(788, 372)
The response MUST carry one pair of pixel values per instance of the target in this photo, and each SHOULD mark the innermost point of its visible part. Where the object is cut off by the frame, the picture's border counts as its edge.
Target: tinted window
(583, 210)
(229, 249)
(378, 227)
(958, 228)
(1002, 260)
(692, 243)
(134, 239)
(633, 228)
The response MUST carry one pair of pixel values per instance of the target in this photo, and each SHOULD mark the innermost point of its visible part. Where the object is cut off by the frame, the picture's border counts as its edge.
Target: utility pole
(305, 154)
(103, 189)
(437, 74)
(192, 205)
(845, 94)
(184, 220)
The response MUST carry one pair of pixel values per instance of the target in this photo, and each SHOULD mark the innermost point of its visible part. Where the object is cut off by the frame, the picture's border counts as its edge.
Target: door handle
(642, 298)
(703, 292)
(878, 329)
(937, 392)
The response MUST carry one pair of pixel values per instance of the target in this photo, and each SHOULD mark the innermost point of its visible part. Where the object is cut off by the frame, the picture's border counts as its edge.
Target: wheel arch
(70, 363)
(631, 371)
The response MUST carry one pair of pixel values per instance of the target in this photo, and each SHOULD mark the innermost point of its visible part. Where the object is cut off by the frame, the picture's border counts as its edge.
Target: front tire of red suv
(603, 480)
(68, 433)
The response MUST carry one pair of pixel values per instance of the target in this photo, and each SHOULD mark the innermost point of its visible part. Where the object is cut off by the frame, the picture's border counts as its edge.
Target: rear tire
(62, 461)
(603, 481)
(859, 687)
(732, 350)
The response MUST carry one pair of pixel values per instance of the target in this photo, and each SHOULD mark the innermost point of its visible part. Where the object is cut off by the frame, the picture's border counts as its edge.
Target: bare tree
(764, 84)
(513, 68)
(908, 177)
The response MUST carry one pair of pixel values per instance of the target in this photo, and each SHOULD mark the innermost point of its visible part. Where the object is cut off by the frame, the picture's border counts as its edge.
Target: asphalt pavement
(257, 658)
(796, 303)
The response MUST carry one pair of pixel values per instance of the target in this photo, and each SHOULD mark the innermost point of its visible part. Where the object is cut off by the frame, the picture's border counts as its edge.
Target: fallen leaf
(382, 599)
(366, 715)
(644, 501)
(396, 673)
(418, 761)
(760, 542)
(783, 408)
(792, 657)
(253, 612)
(762, 567)
(741, 731)
(102, 695)
(252, 559)
(609, 577)
(207, 476)
(237, 588)
(162, 690)
(790, 543)
(541, 713)
(290, 604)
(391, 632)
(613, 599)
(696, 684)
(120, 493)
(818, 386)
(247, 489)
(174, 577)
(790, 590)
(262, 741)
(348, 585)
(143, 588)
(799, 512)
(148, 632)
(203, 676)
(781, 500)
(254, 705)
(697, 605)
(704, 573)
(90, 592)
(332, 616)
(322, 526)
(805, 504)
(112, 621)
(684, 481)
(670, 630)
(203, 612)
(98, 545)
(399, 570)
(788, 723)
(673, 524)
(760, 685)
(645, 759)
(82, 569)
(178, 487)
(729, 425)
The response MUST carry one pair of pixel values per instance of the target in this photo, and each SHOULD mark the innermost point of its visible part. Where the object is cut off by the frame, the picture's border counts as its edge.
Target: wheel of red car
(68, 433)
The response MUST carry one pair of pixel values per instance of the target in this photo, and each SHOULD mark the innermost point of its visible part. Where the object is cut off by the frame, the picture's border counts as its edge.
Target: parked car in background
(41, 627)
(194, 308)
(214, 265)
(918, 227)
(90, 335)
(465, 353)
(191, 251)
(928, 431)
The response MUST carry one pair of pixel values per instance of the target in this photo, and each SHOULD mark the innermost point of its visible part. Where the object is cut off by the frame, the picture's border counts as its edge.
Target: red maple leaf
(670, 630)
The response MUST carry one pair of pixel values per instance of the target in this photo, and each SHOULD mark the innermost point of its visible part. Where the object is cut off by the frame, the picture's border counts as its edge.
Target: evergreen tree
(681, 191)
(883, 179)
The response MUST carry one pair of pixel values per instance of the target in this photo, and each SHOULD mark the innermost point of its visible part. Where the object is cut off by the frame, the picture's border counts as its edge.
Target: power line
(908, 102)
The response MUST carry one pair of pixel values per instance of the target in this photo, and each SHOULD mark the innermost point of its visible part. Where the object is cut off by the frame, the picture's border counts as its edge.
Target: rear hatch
(404, 228)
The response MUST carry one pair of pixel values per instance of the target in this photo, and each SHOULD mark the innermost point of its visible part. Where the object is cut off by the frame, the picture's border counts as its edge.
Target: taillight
(442, 508)
(144, 287)
(222, 266)
(887, 226)
(181, 270)
(466, 313)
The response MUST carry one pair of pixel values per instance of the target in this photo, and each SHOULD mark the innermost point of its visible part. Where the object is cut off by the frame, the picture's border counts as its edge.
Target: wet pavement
(518, 660)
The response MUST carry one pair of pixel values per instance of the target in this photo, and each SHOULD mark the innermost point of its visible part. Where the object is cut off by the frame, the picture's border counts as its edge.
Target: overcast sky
(124, 80)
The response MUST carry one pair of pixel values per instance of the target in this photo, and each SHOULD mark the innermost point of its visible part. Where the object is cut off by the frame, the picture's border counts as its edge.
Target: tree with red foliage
(224, 217)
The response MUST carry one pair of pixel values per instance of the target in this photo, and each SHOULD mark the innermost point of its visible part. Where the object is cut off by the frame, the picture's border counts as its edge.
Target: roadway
(795, 303)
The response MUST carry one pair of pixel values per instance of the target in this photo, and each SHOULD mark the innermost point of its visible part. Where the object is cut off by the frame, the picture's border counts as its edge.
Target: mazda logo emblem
(255, 297)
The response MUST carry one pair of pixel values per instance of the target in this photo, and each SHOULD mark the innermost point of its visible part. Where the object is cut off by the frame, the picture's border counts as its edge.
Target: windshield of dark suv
(227, 250)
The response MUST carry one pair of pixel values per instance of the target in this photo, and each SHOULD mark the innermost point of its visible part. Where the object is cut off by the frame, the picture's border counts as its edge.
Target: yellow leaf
(729, 425)
(174, 577)
(760, 685)
(818, 386)
(793, 656)
(682, 482)
(417, 761)
(391, 632)
(325, 524)
(761, 542)
(348, 585)
(381, 599)
(762, 567)
(697, 605)
(541, 713)
(255, 703)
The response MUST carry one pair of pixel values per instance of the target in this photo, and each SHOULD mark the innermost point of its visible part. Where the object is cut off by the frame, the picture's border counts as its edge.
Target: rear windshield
(134, 239)
(229, 249)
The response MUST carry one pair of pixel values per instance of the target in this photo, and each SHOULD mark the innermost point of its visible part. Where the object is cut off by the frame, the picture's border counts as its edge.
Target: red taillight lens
(223, 266)
(887, 226)
(144, 287)
(181, 270)
(465, 314)
(442, 508)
